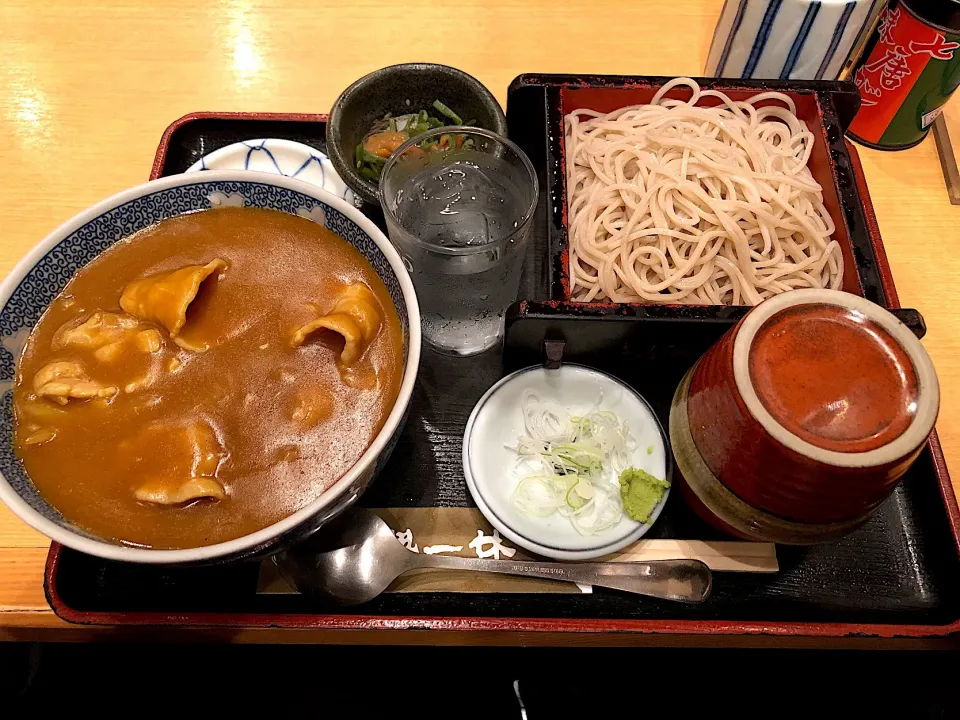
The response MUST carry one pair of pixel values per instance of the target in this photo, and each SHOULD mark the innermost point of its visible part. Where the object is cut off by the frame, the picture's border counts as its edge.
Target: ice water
(470, 210)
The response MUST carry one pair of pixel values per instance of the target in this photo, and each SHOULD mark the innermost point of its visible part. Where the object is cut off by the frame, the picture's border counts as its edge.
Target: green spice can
(909, 73)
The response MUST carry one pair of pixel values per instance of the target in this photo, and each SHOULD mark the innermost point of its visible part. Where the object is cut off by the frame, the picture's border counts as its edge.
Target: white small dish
(496, 422)
(279, 157)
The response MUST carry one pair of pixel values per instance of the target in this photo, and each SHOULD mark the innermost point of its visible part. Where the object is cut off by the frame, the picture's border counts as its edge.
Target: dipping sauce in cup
(801, 420)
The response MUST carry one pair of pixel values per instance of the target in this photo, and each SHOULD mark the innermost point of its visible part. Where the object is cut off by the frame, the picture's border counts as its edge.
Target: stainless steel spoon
(369, 557)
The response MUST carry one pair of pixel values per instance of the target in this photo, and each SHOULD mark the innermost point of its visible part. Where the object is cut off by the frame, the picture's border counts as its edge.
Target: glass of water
(459, 204)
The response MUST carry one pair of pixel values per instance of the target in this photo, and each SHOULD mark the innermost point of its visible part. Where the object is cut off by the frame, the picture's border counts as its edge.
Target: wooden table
(86, 89)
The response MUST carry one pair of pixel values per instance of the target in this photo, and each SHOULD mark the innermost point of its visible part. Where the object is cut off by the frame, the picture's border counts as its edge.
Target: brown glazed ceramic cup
(800, 421)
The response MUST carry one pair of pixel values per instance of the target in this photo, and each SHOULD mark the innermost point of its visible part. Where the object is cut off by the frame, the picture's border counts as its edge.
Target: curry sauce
(206, 377)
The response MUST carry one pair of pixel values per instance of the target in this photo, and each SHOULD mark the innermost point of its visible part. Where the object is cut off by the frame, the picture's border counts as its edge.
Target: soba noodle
(678, 203)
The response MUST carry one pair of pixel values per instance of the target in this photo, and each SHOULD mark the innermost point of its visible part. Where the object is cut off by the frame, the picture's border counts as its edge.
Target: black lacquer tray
(897, 575)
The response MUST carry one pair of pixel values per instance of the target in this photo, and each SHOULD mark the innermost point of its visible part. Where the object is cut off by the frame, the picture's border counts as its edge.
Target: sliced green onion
(584, 489)
(539, 495)
(571, 458)
(575, 499)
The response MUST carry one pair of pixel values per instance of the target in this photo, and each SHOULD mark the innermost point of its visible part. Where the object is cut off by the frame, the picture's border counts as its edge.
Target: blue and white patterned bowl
(46, 269)
(279, 157)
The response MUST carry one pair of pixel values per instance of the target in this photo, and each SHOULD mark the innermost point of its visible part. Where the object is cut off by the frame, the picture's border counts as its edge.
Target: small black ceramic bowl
(402, 89)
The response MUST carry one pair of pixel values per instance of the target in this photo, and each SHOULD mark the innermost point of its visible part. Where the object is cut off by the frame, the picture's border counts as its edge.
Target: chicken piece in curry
(206, 377)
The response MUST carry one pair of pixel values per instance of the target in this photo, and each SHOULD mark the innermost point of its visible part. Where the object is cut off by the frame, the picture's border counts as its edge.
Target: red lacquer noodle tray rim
(519, 624)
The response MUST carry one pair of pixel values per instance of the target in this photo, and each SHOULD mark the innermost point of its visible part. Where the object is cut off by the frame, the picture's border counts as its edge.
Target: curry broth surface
(282, 271)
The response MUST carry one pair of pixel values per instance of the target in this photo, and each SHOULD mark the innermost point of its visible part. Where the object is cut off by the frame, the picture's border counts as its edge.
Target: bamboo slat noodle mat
(454, 527)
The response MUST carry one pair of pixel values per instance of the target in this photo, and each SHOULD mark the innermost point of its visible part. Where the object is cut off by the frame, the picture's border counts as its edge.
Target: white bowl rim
(589, 552)
(126, 553)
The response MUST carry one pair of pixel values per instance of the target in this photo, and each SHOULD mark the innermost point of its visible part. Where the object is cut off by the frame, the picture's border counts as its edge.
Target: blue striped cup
(789, 39)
